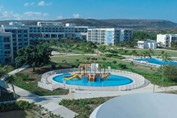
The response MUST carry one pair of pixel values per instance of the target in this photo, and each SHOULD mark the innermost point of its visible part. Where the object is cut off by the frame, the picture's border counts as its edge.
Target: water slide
(72, 77)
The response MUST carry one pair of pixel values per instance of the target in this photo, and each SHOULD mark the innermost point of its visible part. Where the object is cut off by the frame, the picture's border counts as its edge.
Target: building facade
(108, 36)
(147, 44)
(22, 35)
(165, 40)
(56, 30)
(6, 47)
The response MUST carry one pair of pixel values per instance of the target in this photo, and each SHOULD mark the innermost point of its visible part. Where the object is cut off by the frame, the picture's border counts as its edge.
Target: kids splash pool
(111, 80)
(117, 80)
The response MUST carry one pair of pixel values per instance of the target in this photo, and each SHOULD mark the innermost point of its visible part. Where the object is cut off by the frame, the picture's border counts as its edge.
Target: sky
(95, 9)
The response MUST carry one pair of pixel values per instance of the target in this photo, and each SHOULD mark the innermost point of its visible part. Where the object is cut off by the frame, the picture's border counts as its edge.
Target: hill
(120, 23)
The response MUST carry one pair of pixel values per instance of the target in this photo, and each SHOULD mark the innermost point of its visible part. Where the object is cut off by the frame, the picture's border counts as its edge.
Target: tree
(52, 42)
(114, 62)
(10, 80)
(88, 59)
(77, 61)
(102, 48)
(104, 59)
(134, 53)
(34, 55)
(170, 72)
(165, 58)
(64, 61)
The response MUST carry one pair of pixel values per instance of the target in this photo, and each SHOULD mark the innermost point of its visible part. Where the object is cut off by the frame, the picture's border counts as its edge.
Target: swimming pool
(112, 80)
(157, 61)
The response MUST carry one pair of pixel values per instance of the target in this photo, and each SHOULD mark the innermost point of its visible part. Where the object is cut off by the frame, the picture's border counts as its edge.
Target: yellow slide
(72, 77)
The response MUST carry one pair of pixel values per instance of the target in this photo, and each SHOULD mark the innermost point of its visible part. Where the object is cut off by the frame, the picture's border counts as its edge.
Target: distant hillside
(120, 23)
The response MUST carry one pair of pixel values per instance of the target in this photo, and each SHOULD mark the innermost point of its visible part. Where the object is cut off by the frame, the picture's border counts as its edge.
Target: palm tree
(64, 61)
(165, 58)
(88, 59)
(134, 53)
(77, 60)
(104, 59)
(10, 79)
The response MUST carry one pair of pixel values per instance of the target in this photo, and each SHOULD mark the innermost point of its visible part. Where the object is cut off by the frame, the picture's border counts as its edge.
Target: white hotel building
(22, 35)
(165, 40)
(6, 47)
(56, 30)
(108, 36)
(147, 44)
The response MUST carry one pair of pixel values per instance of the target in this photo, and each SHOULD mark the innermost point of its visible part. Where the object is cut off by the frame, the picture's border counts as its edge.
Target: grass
(83, 107)
(82, 58)
(65, 50)
(30, 83)
(150, 73)
(172, 53)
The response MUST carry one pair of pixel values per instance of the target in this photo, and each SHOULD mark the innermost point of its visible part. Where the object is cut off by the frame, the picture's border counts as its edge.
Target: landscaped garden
(28, 80)
(83, 107)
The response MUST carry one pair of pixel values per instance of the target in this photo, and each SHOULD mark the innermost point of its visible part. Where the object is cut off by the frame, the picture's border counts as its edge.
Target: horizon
(88, 19)
(100, 9)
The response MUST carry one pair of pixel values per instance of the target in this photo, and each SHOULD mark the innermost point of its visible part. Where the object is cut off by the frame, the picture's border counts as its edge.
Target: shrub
(170, 72)
(123, 66)
(20, 105)
(114, 62)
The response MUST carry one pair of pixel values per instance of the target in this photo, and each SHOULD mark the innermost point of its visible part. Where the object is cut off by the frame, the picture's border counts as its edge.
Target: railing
(48, 83)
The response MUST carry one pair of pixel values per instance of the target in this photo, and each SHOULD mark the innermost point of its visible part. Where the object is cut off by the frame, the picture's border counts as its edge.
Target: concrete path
(94, 94)
(51, 103)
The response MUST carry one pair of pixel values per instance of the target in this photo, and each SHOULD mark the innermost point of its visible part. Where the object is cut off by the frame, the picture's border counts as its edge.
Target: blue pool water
(112, 80)
(157, 61)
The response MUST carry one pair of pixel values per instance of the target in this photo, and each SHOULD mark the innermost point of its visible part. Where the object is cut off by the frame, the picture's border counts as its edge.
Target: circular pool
(111, 80)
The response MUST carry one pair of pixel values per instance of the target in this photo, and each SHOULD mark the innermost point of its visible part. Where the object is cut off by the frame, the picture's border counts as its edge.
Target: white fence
(47, 81)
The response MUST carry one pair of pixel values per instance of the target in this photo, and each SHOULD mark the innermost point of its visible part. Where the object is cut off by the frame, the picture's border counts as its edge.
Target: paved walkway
(93, 94)
(49, 102)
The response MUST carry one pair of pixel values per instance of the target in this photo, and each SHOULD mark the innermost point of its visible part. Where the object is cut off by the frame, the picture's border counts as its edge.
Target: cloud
(29, 15)
(35, 15)
(43, 3)
(76, 15)
(29, 4)
(60, 17)
(8, 15)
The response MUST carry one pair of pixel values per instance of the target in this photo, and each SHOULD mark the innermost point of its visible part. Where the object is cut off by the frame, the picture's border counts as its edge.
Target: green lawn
(65, 50)
(82, 58)
(156, 52)
(28, 81)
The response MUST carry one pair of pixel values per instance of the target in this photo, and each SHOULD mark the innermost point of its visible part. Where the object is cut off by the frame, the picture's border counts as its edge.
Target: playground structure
(89, 72)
